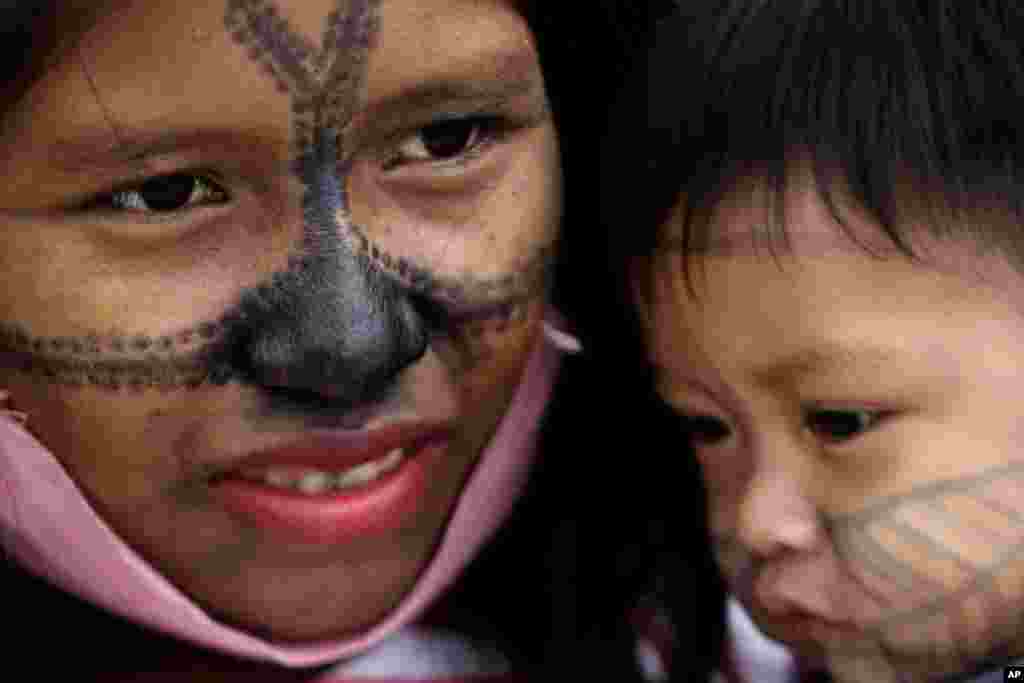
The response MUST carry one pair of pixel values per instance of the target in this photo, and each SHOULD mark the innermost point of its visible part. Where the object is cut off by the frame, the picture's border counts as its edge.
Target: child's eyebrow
(832, 357)
(761, 239)
(726, 243)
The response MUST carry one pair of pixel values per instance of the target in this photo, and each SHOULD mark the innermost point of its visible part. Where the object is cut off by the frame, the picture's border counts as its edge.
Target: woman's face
(252, 246)
(858, 425)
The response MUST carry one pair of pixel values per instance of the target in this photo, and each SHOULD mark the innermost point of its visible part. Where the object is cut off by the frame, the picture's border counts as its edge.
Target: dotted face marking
(113, 361)
(318, 82)
(344, 313)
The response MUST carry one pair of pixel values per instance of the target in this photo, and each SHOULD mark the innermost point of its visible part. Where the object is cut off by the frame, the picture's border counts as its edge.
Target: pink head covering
(50, 528)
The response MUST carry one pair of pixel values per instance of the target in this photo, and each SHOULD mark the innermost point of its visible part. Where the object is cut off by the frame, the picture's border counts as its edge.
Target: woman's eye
(165, 194)
(446, 140)
(705, 430)
(836, 426)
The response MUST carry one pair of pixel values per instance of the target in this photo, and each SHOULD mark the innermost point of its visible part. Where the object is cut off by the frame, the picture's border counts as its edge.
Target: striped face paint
(859, 436)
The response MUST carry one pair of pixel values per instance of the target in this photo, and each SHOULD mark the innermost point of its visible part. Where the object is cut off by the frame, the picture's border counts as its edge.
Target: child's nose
(775, 515)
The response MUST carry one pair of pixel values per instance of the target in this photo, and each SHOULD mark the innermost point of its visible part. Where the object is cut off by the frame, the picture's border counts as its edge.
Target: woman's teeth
(315, 482)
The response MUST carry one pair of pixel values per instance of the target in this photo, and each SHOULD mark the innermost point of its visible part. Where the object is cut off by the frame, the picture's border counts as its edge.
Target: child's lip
(794, 624)
(790, 614)
(809, 637)
(812, 622)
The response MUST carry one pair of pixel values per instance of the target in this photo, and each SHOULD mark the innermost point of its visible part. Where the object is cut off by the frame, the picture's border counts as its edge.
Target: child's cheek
(942, 570)
(726, 474)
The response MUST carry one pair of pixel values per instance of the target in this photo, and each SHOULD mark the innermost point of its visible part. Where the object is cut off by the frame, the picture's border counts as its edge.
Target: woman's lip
(335, 450)
(379, 508)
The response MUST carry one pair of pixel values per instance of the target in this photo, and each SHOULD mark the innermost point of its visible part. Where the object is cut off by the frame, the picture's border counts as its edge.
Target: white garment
(757, 657)
(420, 653)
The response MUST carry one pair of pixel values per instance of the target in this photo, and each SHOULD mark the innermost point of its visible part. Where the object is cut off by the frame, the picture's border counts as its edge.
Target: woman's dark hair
(640, 499)
(31, 38)
(557, 585)
(599, 540)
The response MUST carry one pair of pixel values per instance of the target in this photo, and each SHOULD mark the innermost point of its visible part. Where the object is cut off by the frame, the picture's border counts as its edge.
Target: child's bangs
(914, 125)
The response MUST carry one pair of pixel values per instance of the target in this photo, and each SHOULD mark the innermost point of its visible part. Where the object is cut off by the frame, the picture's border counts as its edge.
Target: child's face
(861, 435)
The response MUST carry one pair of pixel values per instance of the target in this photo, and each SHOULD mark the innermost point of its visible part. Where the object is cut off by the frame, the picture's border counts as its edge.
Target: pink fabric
(48, 525)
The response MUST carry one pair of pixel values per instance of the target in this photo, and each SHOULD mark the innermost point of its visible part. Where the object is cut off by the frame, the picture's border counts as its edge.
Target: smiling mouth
(315, 482)
(336, 457)
(336, 486)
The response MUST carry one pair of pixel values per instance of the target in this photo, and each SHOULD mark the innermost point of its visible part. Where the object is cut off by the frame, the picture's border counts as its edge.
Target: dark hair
(910, 107)
(556, 586)
(589, 542)
(643, 492)
(35, 34)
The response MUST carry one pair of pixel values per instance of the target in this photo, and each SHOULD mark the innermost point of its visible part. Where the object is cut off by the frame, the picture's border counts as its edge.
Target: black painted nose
(333, 331)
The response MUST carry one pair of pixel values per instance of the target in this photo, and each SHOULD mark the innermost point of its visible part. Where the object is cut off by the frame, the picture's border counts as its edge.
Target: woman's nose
(344, 336)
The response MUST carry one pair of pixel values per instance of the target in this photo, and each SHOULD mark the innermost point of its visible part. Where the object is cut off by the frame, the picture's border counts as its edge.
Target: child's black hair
(911, 108)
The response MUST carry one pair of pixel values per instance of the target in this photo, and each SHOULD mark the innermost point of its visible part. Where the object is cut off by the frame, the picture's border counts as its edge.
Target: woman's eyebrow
(417, 106)
(450, 92)
(500, 69)
(489, 79)
(96, 150)
(479, 80)
(100, 150)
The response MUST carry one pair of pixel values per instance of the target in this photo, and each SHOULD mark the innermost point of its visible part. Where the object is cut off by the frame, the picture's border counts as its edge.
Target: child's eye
(837, 426)
(705, 430)
(698, 429)
(163, 194)
(446, 140)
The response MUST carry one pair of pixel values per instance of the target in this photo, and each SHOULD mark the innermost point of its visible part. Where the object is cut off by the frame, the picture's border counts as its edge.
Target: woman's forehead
(150, 70)
(163, 49)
